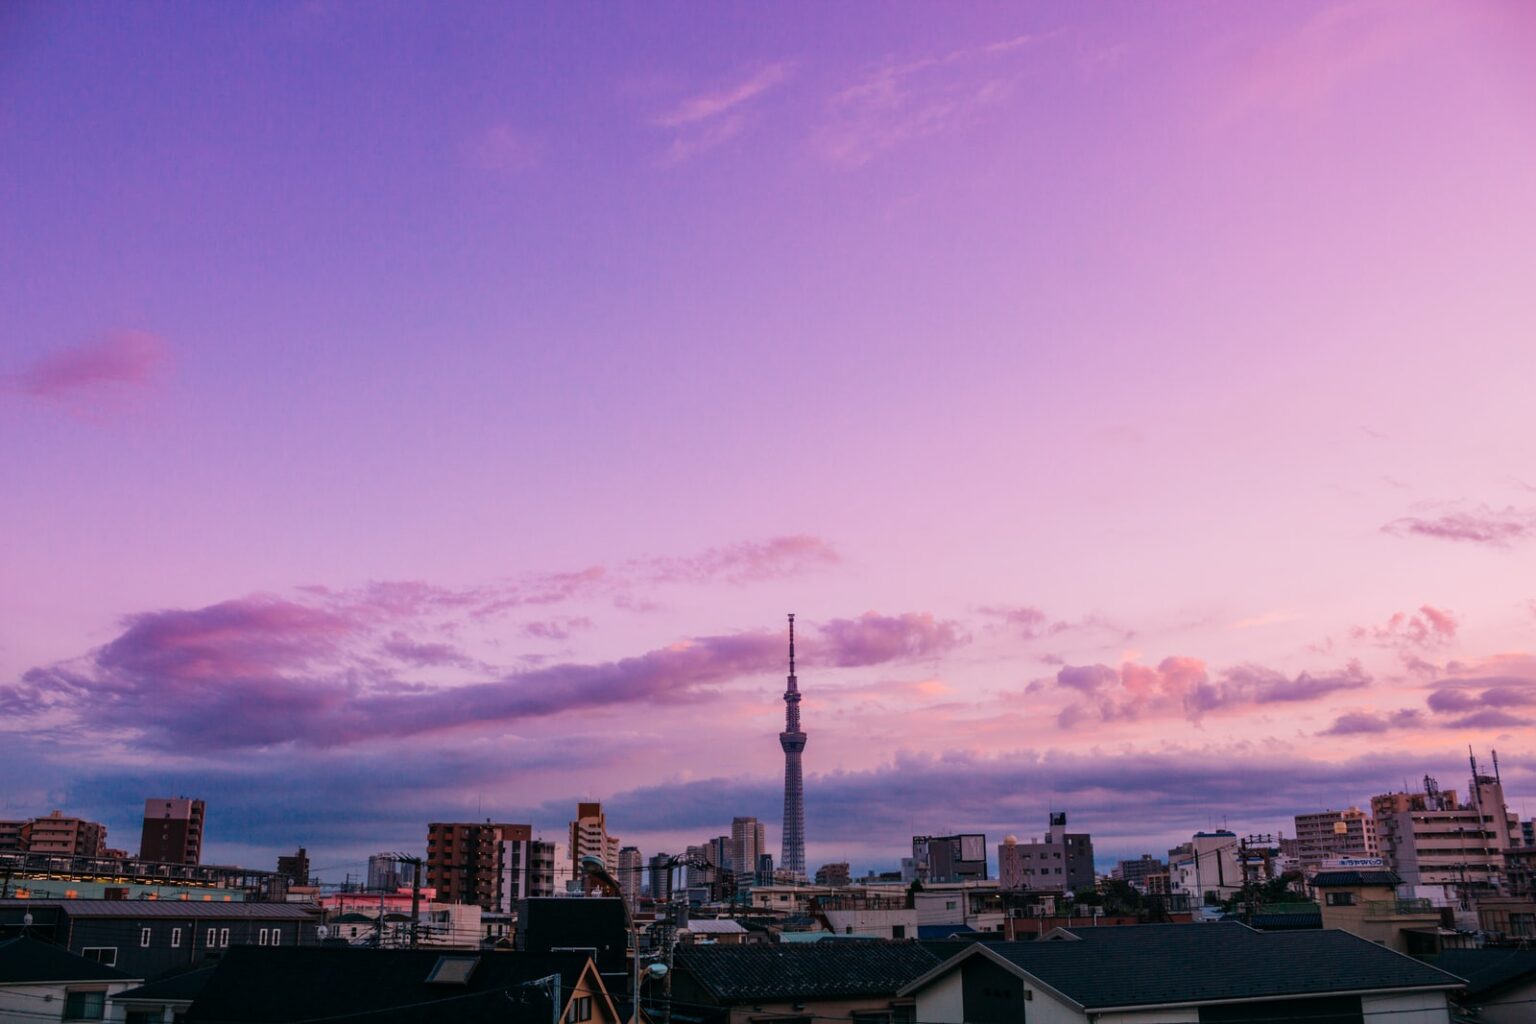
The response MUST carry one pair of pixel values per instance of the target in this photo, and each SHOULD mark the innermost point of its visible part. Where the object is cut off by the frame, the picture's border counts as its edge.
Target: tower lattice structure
(792, 740)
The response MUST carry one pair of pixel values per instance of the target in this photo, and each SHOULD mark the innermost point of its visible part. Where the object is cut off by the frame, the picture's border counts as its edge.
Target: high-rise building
(630, 873)
(173, 830)
(1061, 860)
(1331, 835)
(63, 836)
(749, 840)
(961, 858)
(489, 864)
(660, 870)
(590, 838)
(792, 740)
(388, 873)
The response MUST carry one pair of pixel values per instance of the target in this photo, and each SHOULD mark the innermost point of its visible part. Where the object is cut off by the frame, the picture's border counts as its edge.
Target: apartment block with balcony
(61, 835)
(173, 830)
(1334, 835)
(488, 864)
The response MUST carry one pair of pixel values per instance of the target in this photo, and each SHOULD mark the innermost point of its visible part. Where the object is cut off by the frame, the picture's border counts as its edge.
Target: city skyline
(1131, 401)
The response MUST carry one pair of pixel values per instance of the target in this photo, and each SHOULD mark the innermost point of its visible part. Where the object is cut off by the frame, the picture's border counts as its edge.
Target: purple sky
(413, 412)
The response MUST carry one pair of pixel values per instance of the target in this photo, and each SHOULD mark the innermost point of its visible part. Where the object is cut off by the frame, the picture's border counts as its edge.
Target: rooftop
(820, 970)
(25, 960)
(1100, 968)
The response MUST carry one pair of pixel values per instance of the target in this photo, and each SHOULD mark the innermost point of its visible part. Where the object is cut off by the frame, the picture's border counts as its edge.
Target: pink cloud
(119, 359)
(746, 562)
(708, 105)
(1428, 627)
(1357, 723)
(872, 639)
(557, 629)
(1491, 527)
(1183, 687)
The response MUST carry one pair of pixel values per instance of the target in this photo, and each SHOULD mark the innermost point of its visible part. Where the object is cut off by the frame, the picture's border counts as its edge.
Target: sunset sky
(429, 412)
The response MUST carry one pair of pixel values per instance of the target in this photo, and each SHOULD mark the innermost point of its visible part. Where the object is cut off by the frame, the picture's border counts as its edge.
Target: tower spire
(792, 741)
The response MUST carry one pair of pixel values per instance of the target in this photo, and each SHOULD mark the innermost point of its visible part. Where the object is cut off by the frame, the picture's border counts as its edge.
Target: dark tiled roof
(820, 970)
(263, 985)
(169, 908)
(25, 959)
(183, 987)
(943, 931)
(1190, 963)
(1329, 879)
(1287, 921)
(1486, 970)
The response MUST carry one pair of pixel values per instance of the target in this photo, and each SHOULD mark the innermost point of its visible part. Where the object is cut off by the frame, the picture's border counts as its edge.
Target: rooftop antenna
(1496, 768)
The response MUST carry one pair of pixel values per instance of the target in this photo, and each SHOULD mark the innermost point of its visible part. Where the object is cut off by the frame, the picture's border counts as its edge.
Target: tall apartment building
(1330, 835)
(630, 875)
(173, 830)
(590, 838)
(1136, 872)
(660, 870)
(1060, 860)
(1430, 838)
(59, 835)
(960, 858)
(488, 864)
(388, 873)
(749, 841)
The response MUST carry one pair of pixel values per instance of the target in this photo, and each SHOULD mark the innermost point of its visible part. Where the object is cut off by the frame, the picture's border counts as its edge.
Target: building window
(223, 937)
(175, 938)
(85, 1005)
(898, 931)
(277, 936)
(213, 934)
(101, 954)
(1340, 899)
(143, 938)
(261, 940)
(581, 1009)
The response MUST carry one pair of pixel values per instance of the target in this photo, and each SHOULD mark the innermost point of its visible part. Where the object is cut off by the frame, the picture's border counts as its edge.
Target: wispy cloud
(898, 102)
(114, 364)
(1429, 627)
(502, 148)
(1489, 527)
(706, 120)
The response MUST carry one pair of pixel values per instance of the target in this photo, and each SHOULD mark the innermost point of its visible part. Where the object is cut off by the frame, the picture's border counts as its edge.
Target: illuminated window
(143, 938)
(175, 938)
(223, 937)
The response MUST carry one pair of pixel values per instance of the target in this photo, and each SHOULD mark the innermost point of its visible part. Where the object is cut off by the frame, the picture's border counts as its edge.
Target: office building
(959, 858)
(1136, 872)
(387, 873)
(749, 841)
(1060, 860)
(659, 869)
(173, 830)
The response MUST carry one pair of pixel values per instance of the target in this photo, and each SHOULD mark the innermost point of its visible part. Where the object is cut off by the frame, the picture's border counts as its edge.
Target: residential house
(402, 986)
(799, 983)
(1501, 983)
(40, 981)
(1182, 974)
(164, 1001)
(1366, 903)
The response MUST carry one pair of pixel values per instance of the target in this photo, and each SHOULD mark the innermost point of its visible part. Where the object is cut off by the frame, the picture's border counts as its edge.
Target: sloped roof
(1487, 970)
(823, 970)
(1332, 879)
(267, 985)
(169, 908)
(183, 987)
(1151, 965)
(25, 960)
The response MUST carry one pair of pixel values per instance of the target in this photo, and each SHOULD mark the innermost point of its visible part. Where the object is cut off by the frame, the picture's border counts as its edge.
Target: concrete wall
(1418, 1008)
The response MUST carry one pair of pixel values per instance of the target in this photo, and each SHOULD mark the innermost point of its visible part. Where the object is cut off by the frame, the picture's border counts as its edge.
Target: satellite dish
(322, 932)
(26, 919)
(657, 971)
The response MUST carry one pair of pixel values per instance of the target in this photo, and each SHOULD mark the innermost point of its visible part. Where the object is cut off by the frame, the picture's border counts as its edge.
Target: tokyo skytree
(792, 739)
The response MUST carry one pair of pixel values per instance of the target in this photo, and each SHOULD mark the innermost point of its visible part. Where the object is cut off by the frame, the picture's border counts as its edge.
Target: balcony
(1399, 908)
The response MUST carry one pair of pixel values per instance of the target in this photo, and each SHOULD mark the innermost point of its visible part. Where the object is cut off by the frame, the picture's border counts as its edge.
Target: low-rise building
(1170, 974)
(1367, 904)
(41, 981)
(805, 983)
(959, 858)
(148, 938)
